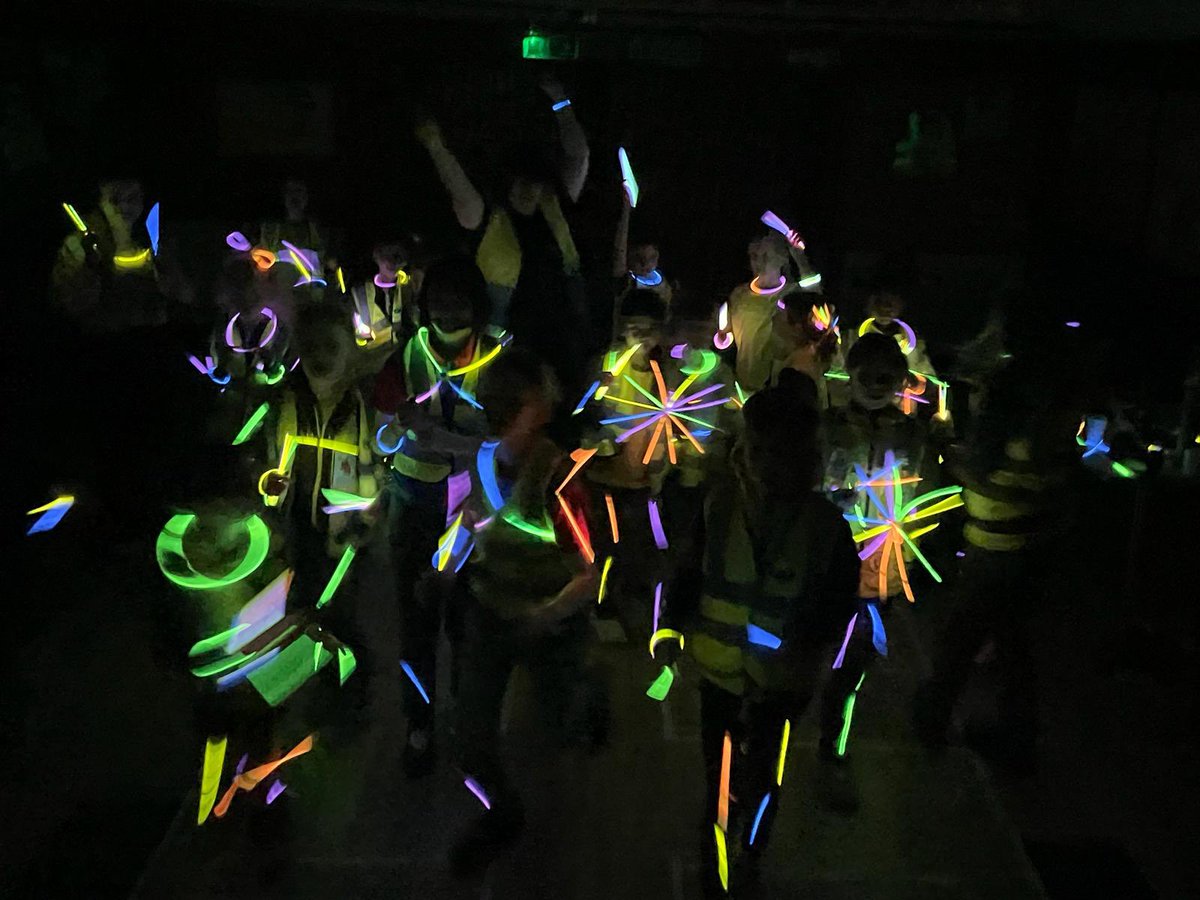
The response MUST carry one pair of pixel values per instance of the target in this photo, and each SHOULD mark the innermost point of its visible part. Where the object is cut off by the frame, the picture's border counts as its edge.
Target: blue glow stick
(463, 561)
(51, 514)
(878, 635)
(412, 676)
(152, 228)
(586, 397)
(383, 448)
(617, 419)
(225, 682)
(762, 808)
(761, 637)
(485, 462)
(631, 185)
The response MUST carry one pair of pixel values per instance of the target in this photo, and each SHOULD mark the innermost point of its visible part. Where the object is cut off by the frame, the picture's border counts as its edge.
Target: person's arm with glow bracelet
(574, 142)
(467, 201)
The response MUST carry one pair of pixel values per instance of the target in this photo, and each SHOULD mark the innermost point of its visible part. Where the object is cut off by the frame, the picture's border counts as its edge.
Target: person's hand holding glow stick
(775, 223)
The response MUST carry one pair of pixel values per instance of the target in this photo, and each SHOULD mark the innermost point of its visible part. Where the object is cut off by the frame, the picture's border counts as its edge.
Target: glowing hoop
(272, 328)
(910, 336)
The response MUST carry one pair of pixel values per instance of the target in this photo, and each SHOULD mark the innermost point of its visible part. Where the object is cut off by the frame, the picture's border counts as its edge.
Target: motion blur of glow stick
(783, 749)
(878, 635)
(762, 808)
(722, 858)
(587, 395)
(344, 502)
(847, 716)
(612, 518)
(412, 676)
(723, 785)
(75, 218)
(665, 634)
(50, 513)
(152, 228)
(760, 637)
(237, 241)
(475, 788)
(346, 664)
(810, 280)
(210, 775)
(604, 580)
(837, 663)
(627, 180)
(724, 337)
(578, 530)
(252, 424)
(275, 790)
(661, 686)
(580, 457)
(248, 781)
(132, 260)
(775, 223)
(656, 526)
(338, 574)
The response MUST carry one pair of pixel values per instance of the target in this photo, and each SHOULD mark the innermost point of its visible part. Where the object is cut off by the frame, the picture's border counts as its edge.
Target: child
(753, 306)
(531, 585)
(884, 308)
(635, 266)
(771, 585)
(385, 314)
(812, 342)
(435, 429)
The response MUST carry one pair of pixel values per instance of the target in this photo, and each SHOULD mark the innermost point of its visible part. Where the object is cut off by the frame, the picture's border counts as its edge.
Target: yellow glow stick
(67, 499)
(722, 858)
(636, 403)
(604, 580)
(447, 544)
(940, 507)
(75, 217)
(210, 777)
(328, 444)
(665, 634)
(617, 368)
(341, 279)
(612, 518)
(479, 363)
(783, 749)
(723, 788)
(870, 533)
(131, 261)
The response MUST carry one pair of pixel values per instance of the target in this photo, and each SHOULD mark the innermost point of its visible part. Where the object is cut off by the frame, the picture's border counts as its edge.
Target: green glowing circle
(168, 551)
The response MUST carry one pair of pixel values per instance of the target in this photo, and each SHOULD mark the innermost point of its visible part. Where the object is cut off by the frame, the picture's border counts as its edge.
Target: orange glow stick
(264, 259)
(671, 442)
(662, 387)
(687, 434)
(580, 458)
(612, 518)
(658, 430)
(895, 540)
(723, 794)
(248, 781)
(581, 538)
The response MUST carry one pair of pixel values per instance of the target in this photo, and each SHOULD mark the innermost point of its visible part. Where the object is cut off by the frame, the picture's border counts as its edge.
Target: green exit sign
(549, 46)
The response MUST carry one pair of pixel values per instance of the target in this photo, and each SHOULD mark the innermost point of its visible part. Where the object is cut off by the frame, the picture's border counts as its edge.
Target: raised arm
(574, 141)
(621, 240)
(467, 202)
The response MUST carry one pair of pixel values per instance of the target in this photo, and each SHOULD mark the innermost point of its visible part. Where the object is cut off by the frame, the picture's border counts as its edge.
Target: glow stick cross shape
(627, 179)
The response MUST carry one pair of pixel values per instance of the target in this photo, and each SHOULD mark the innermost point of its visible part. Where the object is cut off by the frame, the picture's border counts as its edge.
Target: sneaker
(486, 838)
(420, 755)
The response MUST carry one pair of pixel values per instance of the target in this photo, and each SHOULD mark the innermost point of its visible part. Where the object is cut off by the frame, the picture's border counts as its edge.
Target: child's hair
(873, 347)
(528, 160)
(401, 243)
(506, 381)
(786, 415)
(314, 319)
(649, 304)
(460, 276)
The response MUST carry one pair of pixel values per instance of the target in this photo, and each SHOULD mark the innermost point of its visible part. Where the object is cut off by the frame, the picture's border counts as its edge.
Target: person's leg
(720, 712)
(769, 722)
(840, 694)
(571, 693)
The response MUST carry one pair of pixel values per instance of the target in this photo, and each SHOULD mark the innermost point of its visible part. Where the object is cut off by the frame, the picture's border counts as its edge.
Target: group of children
(726, 485)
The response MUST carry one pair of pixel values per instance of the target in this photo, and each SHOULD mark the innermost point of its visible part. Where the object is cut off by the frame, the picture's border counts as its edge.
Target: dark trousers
(416, 520)
(843, 682)
(557, 663)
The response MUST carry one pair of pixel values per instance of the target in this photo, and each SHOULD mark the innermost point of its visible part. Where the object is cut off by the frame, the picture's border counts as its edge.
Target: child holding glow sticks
(532, 584)
(635, 266)
(761, 602)
(753, 307)
(434, 429)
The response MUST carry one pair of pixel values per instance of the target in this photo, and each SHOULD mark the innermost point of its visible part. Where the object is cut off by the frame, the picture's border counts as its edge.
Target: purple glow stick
(660, 538)
(239, 675)
(657, 605)
(274, 791)
(692, 398)
(298, 256)
(241, 764)
(429, 393)
(870, 549)
(267, 608)
(678, 350)
(458, 486)
(199, 366)
(474, 787)
(654, 417)
(837, 663)
(237, 241)
(775, 223)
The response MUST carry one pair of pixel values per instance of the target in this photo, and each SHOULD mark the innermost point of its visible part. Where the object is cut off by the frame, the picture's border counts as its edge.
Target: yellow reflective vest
(499, 253)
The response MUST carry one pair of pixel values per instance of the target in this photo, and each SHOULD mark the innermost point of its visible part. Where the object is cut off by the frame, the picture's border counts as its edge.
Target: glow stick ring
(767, 292)
(910, 336)
(237, 241)
(267, 338)
(264, 259)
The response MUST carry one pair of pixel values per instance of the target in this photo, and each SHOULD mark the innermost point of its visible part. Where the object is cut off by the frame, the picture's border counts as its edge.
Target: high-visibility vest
(1007, 508)
(499, 253)
(769, 592)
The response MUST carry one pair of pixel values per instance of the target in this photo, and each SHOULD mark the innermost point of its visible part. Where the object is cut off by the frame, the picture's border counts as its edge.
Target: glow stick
(429, 393)
(944, 506)
(301, 262)
(263, 259)
(586, 397)
(247, 781)
(658, 430)
(236, 677)
(810, 280)
(847, 716)
(920, 556)
(132, 260)
(885, 558)
(170, 544)
(477, 364)
(722, 858)
(199, 366)
(678, 350)
(878, 635)
(903, 570)
(272, 327)
(446, 545)
(661, 686)
(341, 280)
(1123, 470)
(762, 808)
(545, 534)
(724, 337)
(604, 580)
(474, 787)
(237, 241)
(723, 785)
(485, 463)
(767, 292)
(654, 279)
(152, 228)
(627, 180)
(926, 498)
(783, 749)
(338, 574)
(412, 676)
(383, 448)
(868, 551)
(458, 488)
(75, 217)
(773, 221)
(216, 640)
(708, 362)
(274, 791)
(656, 527)
(580, 457)
(664, 634)
(346, 664)
(837, 663)
(612, 518)
(51, 513)
(910, 336)
(252, 424)
(210, 777)
(762, 638)
(326, 444)
(581, 536)
(657, 606)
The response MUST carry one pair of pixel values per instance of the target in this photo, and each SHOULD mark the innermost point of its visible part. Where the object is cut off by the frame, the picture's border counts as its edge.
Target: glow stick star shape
(666, 413)
(886, 530)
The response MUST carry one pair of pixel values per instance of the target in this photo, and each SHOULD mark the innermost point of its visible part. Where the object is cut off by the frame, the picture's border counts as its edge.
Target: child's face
(525, 195)
(766, 256)
(325, 357)
(126, 198)
(529, 423)
(389, 260)
(450, 316)
(641, 330)
(874, 384)
(885, 306)
(643, 259)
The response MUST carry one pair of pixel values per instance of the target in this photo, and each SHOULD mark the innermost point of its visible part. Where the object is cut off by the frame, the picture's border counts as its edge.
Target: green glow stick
(919, 555)
(645, 393)
(708, 362)
(925, 498)
(216, 640)
(170, 544)
(837, 376)
(546, 534)
(75, 217)
(346, 664)
(662, 684)
(1123, 471)
(338, 574)
(252, 424)
(847, 715)
(233, 662)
